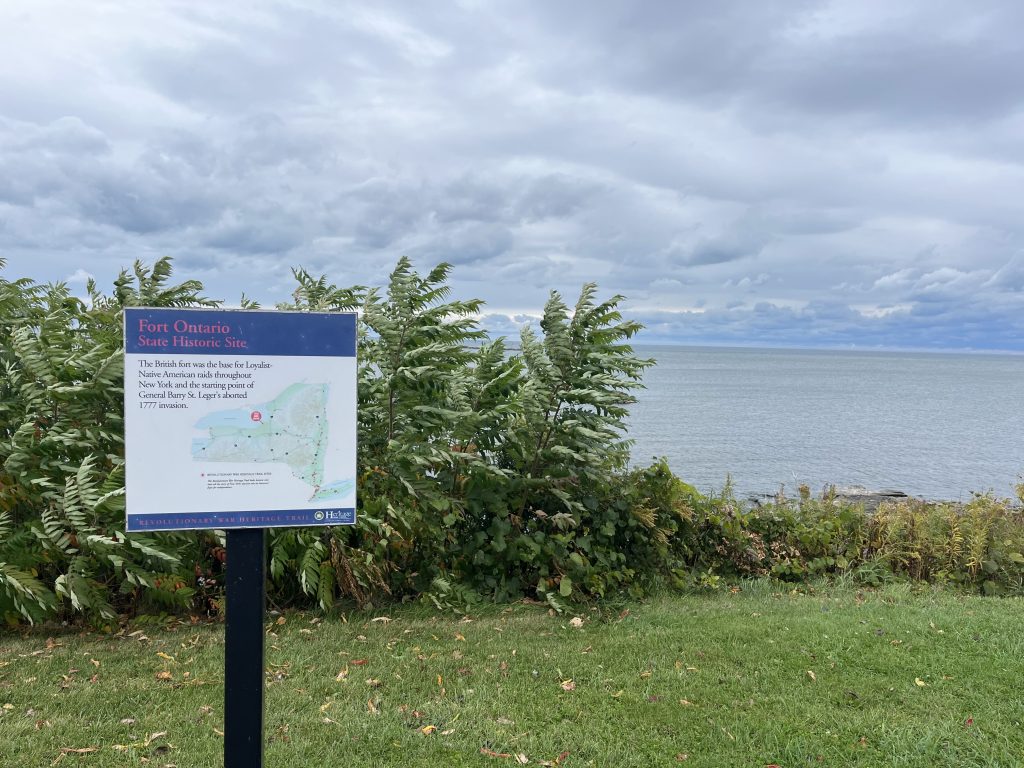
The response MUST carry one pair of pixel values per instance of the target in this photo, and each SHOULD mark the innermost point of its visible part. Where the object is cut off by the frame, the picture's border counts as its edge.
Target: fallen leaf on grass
(164, 675)
(340, 677)
(381, 619)
(919, 682)
(74, 751)
(575, 622)
(522, 759)
(562, 757)
(491, 753)
(153, 737)
(568, 685)
(686, 703)
(811, 676)
(427, 730)
(359, 662)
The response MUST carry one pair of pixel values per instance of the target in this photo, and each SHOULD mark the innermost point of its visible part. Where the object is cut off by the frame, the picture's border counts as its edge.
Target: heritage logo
(333, 516)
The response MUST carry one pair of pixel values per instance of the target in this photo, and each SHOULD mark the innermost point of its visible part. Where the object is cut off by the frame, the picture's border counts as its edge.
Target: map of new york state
(291, 429)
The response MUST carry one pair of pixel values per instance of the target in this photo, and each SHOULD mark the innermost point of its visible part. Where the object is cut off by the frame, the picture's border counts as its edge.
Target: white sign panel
(239, 419)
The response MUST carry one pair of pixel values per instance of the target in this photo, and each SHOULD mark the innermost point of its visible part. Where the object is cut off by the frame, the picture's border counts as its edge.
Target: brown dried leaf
(153, 737)
(492, 753)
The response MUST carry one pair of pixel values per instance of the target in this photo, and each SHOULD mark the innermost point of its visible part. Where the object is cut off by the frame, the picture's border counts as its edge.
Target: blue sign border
(229, 333)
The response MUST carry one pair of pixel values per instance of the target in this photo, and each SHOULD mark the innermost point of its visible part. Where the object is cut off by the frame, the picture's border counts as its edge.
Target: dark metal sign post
(244, 648)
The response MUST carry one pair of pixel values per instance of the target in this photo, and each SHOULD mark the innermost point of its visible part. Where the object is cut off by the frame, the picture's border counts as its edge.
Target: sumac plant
(479, 466)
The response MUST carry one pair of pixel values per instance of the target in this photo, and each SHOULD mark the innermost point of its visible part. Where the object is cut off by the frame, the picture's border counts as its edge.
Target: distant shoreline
(641, 343)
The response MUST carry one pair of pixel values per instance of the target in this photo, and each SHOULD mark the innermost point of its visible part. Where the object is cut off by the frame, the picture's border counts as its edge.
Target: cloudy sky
(802, 173)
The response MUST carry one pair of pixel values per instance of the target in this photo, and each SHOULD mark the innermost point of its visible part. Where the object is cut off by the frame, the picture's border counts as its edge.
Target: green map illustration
(291, 429)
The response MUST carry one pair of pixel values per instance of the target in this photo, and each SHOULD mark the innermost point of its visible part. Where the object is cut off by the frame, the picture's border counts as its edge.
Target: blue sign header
(239, 332)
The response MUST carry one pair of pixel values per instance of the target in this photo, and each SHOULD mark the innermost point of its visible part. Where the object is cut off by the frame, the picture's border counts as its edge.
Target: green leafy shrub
(62, 455)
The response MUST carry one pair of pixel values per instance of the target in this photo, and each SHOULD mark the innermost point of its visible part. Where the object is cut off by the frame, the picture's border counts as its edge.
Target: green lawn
(837, 678)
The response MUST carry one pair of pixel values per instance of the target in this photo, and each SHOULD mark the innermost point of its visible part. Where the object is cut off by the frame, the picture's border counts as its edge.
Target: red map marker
(256, 416)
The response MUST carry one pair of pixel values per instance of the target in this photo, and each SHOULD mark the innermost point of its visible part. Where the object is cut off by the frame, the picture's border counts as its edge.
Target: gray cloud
(833, 173)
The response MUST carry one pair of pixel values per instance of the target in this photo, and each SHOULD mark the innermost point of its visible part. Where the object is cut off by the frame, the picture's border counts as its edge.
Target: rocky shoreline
(850, 494)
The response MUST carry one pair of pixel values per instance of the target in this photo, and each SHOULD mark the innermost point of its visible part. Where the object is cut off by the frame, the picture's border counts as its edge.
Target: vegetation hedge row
(483, 472)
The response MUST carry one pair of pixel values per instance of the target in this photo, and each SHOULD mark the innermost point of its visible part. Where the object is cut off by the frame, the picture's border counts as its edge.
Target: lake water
(932, 425)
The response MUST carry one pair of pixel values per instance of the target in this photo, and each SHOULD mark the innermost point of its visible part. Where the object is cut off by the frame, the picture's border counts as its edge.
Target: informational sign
(239, 418)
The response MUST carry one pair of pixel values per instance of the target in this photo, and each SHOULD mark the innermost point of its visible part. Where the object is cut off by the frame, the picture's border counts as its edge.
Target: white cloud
(79, 276)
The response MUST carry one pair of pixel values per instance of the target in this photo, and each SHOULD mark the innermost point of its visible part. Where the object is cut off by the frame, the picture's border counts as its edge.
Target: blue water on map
(338, 489)
(932, 425)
